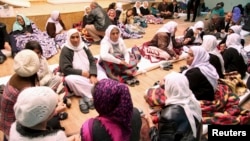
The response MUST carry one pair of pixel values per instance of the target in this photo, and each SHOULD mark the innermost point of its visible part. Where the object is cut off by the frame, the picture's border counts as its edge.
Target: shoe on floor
(90, 104)
(2, 59)
(187, 20)
(83, 106)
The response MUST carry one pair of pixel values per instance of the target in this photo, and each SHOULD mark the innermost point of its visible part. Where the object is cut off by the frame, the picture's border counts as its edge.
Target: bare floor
(75, 119)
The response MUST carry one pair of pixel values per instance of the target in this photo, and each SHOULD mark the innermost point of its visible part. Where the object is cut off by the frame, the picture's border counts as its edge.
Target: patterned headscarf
(17, 26)
(201, 61)
(178, 93)
(113, 102)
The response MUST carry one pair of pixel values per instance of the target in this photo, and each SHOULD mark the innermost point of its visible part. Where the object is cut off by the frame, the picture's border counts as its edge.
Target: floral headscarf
(113, 102)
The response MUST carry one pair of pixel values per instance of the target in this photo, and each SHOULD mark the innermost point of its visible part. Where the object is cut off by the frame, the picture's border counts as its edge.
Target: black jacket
(174, 126)
(190, 34)
(200, 85)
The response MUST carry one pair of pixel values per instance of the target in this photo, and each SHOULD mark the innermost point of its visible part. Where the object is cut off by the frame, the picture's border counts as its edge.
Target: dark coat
(200, 85)
(174, 126)
(99, 18)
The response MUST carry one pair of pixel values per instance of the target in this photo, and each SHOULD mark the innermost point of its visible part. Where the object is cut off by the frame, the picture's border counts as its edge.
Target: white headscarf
(234, 41)
(201, 61)
(199, 24)
(80, 58)
(107, 34)
(169, 27)
(68, 43)
(236, 29)
(53, 19)
(178, 92)
(119, 6)
(144, 2)
(210, 44)
(138, 11)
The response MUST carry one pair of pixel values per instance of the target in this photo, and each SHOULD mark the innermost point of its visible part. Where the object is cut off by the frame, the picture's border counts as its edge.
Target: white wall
(228, 4)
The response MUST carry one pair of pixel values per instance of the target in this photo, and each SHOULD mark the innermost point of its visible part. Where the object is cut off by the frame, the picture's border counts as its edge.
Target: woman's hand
(123, 62)
(93, 79)
(85, 74)
(186, 41)
(7, 46)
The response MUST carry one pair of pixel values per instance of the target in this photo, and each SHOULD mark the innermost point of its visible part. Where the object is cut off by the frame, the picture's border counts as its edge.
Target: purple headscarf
(113, 102)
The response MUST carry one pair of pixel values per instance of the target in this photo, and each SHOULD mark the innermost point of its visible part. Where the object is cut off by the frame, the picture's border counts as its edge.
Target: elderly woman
(25, 30)
(180, 119)
(116, 60)
(202, 76)
(194, 34)
(79, 67)
(216, 59)
(56, 28)
(233, 29)
(117, 119)
(164, 39)
(234, 56)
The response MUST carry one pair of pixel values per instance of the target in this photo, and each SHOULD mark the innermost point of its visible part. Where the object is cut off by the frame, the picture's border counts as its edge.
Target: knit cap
(26, 63)
(35, 105)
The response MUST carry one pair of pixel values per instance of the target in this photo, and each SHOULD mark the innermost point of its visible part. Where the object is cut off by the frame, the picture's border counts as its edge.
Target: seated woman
(232, 29)
(216, 59)
(45, 75)
(81, 26)
(164, 39)
(154, 10)
(78, 65)
(117, 7)
(194, 34)
(202, 76)
(25, 30)
(112, 16)
(180, 118)
(139, 19)
(28, 126)
(218, 9)
(117, 120)
(4, 42)
(116, 60)
(130, 26)
(145, 11)
(56, 29)
(234, 57)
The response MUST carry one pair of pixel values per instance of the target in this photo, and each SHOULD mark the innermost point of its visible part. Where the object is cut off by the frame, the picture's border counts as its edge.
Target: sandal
(67, 101)
(83, 106)
(63, 115)
(136, 82)
(130, 82)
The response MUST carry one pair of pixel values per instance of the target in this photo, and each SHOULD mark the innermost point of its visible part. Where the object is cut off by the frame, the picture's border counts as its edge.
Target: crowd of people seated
(214, 48)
